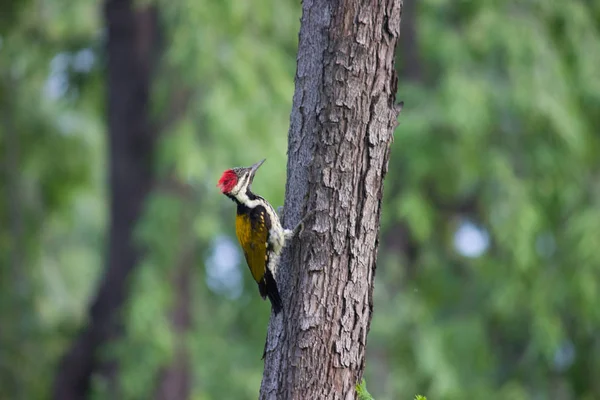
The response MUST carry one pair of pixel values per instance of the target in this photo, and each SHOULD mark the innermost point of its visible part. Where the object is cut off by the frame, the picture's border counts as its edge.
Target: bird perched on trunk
(258, 230)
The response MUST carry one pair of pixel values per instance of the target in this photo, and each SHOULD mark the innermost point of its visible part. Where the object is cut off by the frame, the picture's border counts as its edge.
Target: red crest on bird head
(228, 181)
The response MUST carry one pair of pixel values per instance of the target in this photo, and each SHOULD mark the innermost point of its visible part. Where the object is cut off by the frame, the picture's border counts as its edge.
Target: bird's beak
(254, 168)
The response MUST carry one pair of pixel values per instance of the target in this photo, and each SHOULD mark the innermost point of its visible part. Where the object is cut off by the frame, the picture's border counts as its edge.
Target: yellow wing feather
(253, 239)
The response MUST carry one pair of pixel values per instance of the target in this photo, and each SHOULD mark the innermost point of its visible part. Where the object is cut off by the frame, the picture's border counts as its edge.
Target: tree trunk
(174, 382)
(342, 123)
(132, 38)
(175, 379)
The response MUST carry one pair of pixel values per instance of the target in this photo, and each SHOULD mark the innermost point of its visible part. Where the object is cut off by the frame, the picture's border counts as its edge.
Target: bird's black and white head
(235, 183)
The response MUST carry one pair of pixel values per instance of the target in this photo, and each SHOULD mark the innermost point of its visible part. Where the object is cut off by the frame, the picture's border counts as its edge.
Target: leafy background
(488, 277)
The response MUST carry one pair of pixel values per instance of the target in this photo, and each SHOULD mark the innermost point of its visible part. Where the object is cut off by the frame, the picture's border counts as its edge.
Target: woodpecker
(258, 230)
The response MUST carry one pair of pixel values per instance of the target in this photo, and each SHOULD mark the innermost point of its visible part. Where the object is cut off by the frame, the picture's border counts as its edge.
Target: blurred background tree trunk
(174, 381)
(174, 378)
(342, 123)
(131, 50)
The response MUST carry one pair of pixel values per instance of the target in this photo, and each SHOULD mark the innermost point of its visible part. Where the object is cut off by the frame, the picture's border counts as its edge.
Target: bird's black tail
(268, 287)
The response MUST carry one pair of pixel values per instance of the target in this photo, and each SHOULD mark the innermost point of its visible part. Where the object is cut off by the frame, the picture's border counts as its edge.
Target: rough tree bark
(132, 38)
(342, 123)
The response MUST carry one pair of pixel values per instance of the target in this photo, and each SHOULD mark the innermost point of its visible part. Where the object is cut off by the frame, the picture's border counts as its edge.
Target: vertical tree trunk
(174, 380)
(342, 122)
(132, 38)
(15, 293)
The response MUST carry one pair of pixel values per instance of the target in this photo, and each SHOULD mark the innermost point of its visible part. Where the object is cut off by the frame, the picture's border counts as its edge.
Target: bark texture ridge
(342, 122)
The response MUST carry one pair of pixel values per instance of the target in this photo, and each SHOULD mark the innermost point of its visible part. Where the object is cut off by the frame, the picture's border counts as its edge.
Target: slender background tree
(131, 50)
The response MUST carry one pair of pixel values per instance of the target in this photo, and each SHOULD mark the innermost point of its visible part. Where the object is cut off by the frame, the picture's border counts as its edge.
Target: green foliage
(51, 205)
(363, 394)
(361, 391)
(498, 133)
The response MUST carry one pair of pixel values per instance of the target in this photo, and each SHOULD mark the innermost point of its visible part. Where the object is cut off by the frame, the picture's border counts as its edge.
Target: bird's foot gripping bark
(291, 233)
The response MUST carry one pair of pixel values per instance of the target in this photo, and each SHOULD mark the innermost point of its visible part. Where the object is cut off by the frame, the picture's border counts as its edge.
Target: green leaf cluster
(498, 135)
(52, 204)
